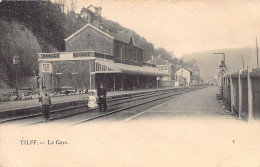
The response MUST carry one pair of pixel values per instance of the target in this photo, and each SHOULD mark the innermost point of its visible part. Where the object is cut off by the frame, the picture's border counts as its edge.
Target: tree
(72, 6)
(43, 18)
(63, 5)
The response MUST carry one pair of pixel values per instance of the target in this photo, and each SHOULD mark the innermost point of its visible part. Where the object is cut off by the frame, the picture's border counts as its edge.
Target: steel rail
(142, 97)
(56, 111)
(132, 106)
(124, 99)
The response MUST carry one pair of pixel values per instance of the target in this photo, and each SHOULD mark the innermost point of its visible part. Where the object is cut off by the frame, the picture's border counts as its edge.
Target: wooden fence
(241, 93)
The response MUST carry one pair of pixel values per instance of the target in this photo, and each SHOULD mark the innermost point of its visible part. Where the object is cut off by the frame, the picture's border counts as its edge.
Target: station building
(92, 56)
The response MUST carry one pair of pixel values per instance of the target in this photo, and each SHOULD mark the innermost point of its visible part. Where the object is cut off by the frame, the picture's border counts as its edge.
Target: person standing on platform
(102, 94)
(45, 100)
(92, 100)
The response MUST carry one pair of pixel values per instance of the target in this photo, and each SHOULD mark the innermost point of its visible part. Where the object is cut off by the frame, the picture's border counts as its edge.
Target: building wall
(127, 53)
(166, 69)
(69, 75)
(91, 39)
(195, 79)
(182, 72)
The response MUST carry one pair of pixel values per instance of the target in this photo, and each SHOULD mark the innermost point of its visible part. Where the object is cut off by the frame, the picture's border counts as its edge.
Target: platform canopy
(106, 66)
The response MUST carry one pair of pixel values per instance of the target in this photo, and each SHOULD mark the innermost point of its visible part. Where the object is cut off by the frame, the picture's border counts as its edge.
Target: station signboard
(46, 68)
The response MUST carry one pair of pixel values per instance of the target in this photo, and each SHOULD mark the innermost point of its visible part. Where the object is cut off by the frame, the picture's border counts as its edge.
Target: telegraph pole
(243, 62)
(256, 52)
(223, 56)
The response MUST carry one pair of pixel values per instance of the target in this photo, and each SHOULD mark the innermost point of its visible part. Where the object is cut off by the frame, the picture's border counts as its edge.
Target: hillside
(27, 28)
(16, 39)
(209, 62)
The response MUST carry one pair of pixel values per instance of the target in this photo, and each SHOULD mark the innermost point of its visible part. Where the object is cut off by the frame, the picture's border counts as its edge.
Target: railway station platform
(189, 106)
(12, 108)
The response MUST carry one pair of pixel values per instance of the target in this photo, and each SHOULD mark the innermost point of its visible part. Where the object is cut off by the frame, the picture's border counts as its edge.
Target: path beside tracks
(196, 104)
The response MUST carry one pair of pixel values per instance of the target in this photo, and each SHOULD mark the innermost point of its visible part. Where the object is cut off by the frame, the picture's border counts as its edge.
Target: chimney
(98, 11)
(88, 18)
(159, 56)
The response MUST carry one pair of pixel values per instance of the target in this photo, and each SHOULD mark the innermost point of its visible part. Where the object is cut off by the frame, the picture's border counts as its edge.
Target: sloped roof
(158, 61)
(132, 69)
(88, 10)
(88, 25)
(124, 36)
(93, 6)
(177, 68)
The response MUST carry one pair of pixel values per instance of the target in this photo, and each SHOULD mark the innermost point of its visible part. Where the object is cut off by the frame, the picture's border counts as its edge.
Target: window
(117, 50)
(129, 53)
(124, 51)
(134, 54)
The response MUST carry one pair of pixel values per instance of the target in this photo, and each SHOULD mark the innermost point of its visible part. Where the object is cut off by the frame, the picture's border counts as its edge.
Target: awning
(105, 66)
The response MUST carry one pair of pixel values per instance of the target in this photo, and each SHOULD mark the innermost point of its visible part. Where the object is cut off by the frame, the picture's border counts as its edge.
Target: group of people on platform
(102, 95)
(45, 101)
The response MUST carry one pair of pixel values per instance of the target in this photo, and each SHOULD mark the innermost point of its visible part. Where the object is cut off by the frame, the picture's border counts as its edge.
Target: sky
(185, 27)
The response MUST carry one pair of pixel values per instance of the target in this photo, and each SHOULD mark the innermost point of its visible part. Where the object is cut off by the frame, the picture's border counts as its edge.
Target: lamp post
(16, 62)
(222, 67)
(222, 70)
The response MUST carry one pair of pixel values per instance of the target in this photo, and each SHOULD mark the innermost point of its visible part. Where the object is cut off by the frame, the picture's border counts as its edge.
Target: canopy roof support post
(122, 81)
(114, 84)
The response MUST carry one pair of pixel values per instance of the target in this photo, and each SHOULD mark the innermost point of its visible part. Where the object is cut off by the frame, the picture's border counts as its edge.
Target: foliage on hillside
(27, 28)
(16, 39)
(43, 18)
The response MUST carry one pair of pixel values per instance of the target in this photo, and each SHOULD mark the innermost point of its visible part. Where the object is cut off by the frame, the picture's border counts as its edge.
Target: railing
(241, 93)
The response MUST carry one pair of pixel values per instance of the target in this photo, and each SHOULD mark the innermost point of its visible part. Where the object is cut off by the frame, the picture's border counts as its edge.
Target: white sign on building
(46, 68)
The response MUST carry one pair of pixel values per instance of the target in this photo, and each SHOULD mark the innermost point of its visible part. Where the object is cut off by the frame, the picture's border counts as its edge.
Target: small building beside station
(166, 67)
(183, 76)
(196, 80)
(94, 55)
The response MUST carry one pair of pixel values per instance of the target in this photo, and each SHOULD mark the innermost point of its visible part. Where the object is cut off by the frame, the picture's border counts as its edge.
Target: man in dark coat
(45, 100)
(102, 94)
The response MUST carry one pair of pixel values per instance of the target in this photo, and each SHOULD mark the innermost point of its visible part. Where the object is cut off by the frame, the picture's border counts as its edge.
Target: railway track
(141, 102)
(115, 105)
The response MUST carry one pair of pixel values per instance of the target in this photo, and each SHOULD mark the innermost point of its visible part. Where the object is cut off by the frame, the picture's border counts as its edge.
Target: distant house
(166, 67)
(183, 76)
(91, 11)
(195, 76)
